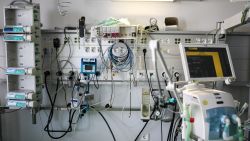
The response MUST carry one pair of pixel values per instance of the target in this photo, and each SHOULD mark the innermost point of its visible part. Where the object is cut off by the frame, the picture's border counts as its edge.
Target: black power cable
(150, 87)
(171, 126)
(161, 132)
(96, 82)
(46, 74)
(141, 130)
(145, 125)
(176, 133)
(146, 69)
(51, 114)
(174, 126)
(171, 132)
(107, 125)
(56, 44)
(145, 66)
(61, 131)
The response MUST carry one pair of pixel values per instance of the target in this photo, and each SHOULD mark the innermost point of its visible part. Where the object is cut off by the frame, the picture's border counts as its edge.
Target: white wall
(192, 15)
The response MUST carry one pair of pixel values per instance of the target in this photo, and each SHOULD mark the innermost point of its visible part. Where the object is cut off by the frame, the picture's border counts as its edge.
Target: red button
(191, 120)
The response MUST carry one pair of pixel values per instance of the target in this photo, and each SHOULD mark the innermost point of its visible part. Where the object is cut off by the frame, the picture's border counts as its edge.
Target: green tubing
(188, 124)
(226, 130)
(188, 131)
(240, 134)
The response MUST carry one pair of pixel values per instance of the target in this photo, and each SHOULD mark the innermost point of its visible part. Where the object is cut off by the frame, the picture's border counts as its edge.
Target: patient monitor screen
(208, 62)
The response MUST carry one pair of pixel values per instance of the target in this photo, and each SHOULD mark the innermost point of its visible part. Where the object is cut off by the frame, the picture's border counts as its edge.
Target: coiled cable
(121, 56)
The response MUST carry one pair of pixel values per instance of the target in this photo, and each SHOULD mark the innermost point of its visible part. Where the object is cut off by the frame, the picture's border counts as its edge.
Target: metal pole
(169, 76)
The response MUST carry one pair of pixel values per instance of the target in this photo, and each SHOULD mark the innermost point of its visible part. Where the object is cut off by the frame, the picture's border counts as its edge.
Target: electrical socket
(141, 75)
(151, 74)
(145, 137)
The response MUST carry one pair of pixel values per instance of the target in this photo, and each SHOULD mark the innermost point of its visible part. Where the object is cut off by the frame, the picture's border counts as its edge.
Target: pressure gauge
(153, 21)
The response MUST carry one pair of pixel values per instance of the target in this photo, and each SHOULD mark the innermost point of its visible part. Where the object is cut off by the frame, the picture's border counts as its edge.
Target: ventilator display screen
(207, 62)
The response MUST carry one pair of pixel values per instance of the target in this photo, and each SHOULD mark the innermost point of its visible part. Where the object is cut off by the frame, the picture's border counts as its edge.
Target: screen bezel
(203, 79)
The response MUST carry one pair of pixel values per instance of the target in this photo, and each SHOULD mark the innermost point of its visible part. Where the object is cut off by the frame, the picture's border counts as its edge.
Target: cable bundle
(48, 127)
(121, 56)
